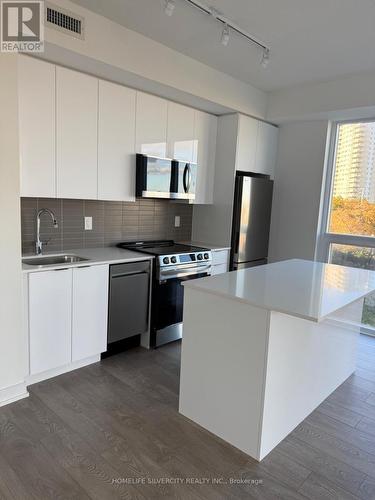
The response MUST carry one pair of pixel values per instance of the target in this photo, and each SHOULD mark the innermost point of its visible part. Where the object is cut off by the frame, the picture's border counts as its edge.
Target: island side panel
(223, 366)
(307, 361)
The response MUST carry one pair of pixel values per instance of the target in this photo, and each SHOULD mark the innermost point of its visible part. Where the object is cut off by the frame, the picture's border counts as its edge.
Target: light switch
(88, 223)
(177, 221)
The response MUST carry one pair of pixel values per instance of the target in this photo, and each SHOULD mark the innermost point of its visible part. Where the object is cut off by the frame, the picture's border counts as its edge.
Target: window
(348, 236)
(352, 207)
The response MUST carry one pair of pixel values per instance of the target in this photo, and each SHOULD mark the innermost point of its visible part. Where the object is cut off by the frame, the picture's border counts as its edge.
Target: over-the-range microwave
(165, 178)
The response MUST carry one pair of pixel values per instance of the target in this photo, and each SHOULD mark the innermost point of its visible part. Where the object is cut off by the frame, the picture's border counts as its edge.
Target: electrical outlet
(88, 223)
(177, 221)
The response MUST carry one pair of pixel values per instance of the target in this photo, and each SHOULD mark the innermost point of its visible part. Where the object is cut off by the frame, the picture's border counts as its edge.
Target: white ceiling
(310, 40)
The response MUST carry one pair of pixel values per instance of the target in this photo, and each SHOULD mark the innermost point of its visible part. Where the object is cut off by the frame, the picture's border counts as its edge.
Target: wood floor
(112, 430)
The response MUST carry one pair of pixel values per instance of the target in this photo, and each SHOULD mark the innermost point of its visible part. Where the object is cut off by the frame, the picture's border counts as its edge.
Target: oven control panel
(204, 256)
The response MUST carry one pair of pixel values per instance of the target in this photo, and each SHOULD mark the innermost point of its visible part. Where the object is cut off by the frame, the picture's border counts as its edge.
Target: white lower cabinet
(220, 261)
(219, 269)
(90, 311)
(68, 312)
(50, 315)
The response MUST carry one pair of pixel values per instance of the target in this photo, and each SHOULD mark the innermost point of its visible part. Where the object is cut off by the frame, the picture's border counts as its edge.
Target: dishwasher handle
(130, 273)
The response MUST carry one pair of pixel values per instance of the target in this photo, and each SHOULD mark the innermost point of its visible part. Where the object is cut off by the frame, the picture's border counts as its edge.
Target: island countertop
(302, 288)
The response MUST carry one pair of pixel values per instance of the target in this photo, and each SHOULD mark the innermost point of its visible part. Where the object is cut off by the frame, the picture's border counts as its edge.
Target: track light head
(265, 58)
(225, 35)
(169, 7)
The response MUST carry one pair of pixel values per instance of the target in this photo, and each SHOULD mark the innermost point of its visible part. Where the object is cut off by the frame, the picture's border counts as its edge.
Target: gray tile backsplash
(112, 222)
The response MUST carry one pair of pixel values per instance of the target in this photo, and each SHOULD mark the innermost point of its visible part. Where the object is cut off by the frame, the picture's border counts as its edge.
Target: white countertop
(310, 290)
(107, 255)
(205, 244)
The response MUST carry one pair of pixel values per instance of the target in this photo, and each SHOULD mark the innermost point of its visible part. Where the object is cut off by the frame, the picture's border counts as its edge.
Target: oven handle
(185, 268)
(181, 272)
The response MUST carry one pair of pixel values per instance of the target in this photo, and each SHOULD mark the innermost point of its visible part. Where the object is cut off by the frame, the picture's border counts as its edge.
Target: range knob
(206, 256)
(199, 256)
(166, 260)
(174, 260)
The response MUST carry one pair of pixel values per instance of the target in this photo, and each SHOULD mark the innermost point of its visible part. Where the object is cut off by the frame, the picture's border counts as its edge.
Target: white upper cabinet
(116, 142)
(90, 311)
(77, 138)
(37, 127)
(151, 125)
(204, 152)
(267, 149)
(256, 146)
(180, 132)
(246, 143)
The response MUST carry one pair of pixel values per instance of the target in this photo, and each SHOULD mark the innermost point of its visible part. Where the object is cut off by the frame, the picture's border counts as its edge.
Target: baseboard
(13, 393)
(39, 377)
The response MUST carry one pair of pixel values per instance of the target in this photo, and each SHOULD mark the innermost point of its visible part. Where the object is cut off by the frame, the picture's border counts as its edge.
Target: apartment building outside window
(348, 221)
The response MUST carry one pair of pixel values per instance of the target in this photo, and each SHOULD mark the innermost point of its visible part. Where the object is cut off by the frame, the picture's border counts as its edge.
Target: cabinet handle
(82, 267)
(62, 269)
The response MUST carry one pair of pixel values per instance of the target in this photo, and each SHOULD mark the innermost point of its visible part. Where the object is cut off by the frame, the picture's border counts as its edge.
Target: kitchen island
(263, 347)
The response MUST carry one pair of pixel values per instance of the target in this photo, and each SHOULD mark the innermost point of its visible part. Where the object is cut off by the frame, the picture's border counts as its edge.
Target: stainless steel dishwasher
(129, 292)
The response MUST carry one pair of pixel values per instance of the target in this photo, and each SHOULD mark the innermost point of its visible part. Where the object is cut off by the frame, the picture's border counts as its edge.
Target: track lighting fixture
(225, 35)
(265, 58)
(169, 7)
(228, 27)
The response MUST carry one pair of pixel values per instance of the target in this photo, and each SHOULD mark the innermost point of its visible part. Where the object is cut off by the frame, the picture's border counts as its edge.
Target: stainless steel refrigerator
(251, 220)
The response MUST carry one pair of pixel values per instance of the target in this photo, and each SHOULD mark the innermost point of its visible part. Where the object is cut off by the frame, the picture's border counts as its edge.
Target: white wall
(120, 48)
(13, 341)
(346, 98)
(297, 190)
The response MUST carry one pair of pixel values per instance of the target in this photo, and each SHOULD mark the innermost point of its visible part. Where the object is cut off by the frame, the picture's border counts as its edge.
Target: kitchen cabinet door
(77, 141)
(36, 85)
(151, 125)
(50, 316)
(90, 311)
(180, 132)
(205, 130)
(219, 269)
(116, 146)
(246, 144)
(266, 149)
(220, 257)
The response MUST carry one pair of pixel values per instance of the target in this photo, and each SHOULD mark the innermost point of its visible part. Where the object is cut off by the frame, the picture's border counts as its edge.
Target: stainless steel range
(174, 263)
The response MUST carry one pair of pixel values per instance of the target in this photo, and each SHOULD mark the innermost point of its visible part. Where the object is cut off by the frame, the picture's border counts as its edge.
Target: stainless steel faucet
(39, 243)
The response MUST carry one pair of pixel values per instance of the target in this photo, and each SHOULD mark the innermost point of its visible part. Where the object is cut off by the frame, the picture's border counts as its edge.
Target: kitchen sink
(51, 260)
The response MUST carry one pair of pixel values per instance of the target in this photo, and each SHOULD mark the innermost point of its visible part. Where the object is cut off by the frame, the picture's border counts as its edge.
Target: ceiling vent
(64, 20)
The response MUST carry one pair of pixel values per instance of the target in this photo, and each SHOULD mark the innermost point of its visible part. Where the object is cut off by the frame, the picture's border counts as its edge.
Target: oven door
(167, 305)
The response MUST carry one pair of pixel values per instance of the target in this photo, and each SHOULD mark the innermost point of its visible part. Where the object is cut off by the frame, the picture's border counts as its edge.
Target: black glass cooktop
(164, 247)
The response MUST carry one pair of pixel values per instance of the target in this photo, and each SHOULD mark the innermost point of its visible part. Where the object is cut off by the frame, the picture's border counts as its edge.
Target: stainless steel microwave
(165, 178)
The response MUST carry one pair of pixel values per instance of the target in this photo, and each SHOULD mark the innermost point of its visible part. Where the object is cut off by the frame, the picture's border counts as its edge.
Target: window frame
(325, 238)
